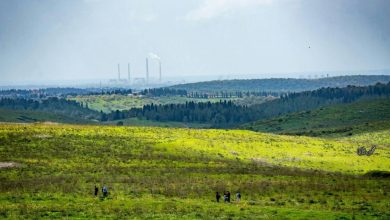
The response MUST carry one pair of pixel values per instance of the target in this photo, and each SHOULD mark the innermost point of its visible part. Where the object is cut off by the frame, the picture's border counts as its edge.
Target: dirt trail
(8, 165)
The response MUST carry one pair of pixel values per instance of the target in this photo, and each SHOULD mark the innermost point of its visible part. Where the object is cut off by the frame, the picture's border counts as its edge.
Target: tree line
(157, 92)
(220, 113)
(231, 94)
(112, 92)
(43, 93)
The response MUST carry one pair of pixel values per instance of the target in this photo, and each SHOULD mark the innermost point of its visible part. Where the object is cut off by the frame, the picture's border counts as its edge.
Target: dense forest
(225, 113)
(300, 101)
(281, 85)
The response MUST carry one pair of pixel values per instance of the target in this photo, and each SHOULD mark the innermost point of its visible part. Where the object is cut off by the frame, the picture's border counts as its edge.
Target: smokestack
(119, 72)
(159, 62)
(147, 70)
(128, 72)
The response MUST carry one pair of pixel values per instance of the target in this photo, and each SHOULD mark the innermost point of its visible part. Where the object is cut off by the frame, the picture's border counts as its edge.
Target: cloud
(214, 8)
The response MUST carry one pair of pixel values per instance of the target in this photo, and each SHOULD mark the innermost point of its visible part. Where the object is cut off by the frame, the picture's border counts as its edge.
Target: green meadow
(173, 173)
(151, 123)
(108, 103)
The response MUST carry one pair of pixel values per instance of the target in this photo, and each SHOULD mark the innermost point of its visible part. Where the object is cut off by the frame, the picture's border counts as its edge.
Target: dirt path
(8, 165)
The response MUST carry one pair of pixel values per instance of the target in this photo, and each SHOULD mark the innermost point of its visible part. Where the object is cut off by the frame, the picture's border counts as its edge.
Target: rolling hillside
(335, 120)
(51, 105)
(281, 84)
(49, 171)
(27, 116)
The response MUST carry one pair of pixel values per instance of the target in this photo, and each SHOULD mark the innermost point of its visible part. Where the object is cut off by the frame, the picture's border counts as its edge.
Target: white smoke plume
(154, 56)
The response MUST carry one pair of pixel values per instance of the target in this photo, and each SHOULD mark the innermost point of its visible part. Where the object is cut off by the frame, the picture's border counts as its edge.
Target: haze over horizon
(47, 40)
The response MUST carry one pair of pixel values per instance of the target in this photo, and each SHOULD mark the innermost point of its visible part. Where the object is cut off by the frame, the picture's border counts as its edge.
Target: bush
(378, 174)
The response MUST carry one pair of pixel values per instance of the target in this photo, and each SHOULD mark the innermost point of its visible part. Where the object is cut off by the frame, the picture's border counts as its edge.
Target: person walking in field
(96, 190)
(105, 191)
(238, 196)
(225, 196)
(217, 196)
(228, 196)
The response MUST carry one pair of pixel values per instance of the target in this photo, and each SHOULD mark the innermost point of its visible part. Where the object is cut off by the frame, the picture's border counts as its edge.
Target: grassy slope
(337, 120)
(173, 173)
(151, 123)
(26, 116)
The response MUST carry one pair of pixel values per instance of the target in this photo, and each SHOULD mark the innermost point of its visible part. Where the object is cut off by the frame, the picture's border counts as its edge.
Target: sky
(54, 40)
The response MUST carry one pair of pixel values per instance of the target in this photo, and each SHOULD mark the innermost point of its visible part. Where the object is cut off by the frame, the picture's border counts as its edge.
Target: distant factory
(147, 80)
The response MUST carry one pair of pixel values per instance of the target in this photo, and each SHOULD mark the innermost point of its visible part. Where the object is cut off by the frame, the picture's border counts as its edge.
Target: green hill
(282, 84)
(49, 171)
(28, 116)
(339, 120)
(51, 105)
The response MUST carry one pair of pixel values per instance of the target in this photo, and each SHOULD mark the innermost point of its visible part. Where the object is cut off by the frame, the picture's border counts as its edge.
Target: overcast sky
(43, 40)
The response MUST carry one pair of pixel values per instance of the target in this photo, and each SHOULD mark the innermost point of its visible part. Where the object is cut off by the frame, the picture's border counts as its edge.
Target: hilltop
(282, 84)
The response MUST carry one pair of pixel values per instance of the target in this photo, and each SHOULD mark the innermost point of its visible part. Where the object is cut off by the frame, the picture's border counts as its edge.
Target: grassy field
(151, 123)
(171, 173)
(337, 120)
(108, 103)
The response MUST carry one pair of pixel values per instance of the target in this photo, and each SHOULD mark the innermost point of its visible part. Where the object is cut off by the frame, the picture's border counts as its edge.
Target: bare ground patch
(4, 165)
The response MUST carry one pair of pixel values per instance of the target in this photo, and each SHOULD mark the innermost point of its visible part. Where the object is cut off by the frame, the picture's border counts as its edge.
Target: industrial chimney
(159, 62)
(119, 72)
(128, 72)
(147, 70)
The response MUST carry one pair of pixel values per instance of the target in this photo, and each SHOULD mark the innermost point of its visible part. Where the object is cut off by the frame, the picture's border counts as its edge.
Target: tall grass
(174, 173)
